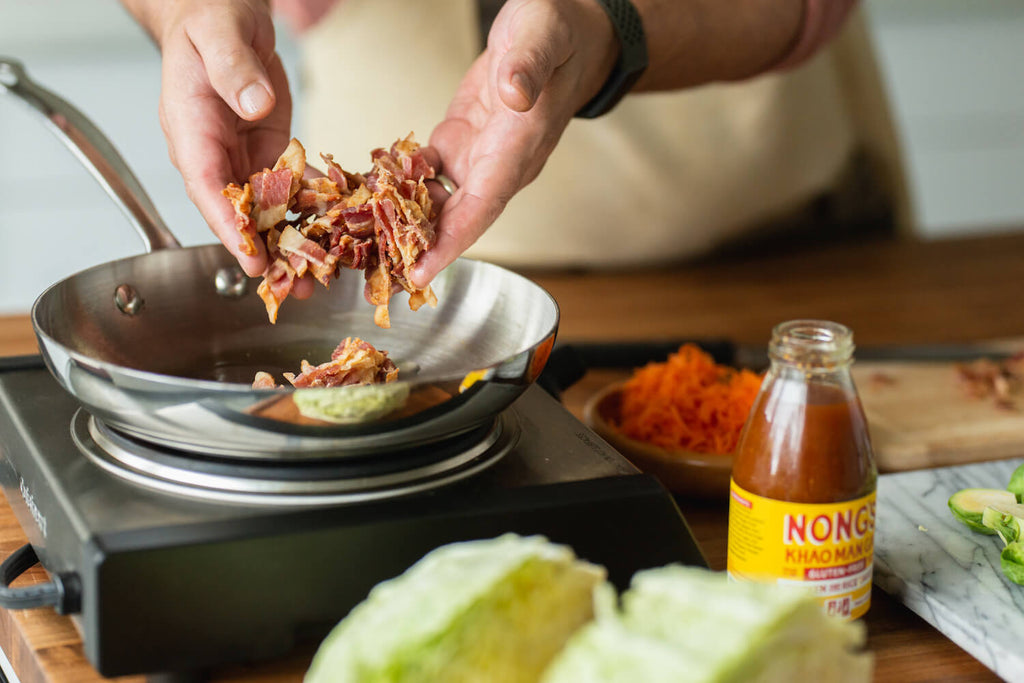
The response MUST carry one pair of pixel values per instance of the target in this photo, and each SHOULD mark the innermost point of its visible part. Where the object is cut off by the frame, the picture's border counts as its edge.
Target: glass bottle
(802, 500)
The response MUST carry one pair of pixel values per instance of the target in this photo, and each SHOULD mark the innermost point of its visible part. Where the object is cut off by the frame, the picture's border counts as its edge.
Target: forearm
(693, 42)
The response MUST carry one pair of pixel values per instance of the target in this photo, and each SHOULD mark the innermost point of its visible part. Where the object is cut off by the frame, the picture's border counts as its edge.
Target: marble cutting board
(942, 570)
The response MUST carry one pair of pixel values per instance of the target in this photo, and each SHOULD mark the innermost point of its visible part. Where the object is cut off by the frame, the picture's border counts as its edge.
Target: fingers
(213, 52)
(203, 184)
(262, 142)
(235, 41)
(537, 41)
(200, 130)
(466, 215)
(438, 194)
(303, 287)
(432, 157)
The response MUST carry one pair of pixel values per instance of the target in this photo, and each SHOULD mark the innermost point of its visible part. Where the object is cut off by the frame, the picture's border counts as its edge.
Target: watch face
(630, 65)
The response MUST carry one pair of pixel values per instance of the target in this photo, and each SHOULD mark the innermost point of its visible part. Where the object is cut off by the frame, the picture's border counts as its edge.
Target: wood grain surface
(923, 415)
(887, 292)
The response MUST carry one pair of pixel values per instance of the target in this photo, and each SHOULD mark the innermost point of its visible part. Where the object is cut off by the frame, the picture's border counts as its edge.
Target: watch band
(628, 67)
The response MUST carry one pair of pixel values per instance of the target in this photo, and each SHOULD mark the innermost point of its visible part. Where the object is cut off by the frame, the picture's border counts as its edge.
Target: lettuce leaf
(687, 624)
(493, 610)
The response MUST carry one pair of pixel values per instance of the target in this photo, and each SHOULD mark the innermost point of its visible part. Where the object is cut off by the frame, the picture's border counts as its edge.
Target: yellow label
(828, 548)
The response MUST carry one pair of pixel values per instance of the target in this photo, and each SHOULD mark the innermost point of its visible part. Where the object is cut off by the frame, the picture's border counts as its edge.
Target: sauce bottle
(802, 499)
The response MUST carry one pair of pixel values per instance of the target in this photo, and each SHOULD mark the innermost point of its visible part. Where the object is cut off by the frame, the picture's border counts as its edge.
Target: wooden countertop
(887, 292)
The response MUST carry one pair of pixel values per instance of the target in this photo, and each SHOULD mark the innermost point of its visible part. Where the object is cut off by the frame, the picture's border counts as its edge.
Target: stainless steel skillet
(163, 346)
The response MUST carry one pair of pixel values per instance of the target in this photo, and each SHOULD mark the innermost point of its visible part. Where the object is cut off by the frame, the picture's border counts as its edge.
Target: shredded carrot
(688, 402)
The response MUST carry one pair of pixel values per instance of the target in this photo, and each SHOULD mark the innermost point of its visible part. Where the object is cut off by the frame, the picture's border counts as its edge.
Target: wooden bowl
(687, 473)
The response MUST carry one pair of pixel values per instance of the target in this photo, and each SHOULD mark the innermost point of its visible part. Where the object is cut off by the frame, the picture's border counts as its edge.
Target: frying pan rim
(217, 386)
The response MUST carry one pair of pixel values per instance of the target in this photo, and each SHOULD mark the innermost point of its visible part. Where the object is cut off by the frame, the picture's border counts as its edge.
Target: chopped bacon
(345, 181)
(292, 243)
(1003, 382)
(241, 199)
(358, 220)
(350, 252)
(353, 362)
(378, 289)
(316, 196)
(271, 191)
(264, 380)
(380, 222)
(273, 236)
(276, 286)
(294, 159)
(335, 172)
(422, 296)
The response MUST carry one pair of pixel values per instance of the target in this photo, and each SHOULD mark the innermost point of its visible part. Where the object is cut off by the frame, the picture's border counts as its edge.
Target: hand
(225, 106)
(544, 60)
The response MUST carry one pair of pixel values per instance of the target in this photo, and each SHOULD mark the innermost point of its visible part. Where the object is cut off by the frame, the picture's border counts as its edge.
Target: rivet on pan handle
(230, 282)
(127, 300)
(94, 150)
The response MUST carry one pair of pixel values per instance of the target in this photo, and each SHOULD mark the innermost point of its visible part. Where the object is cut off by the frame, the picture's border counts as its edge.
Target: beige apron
(665, 176)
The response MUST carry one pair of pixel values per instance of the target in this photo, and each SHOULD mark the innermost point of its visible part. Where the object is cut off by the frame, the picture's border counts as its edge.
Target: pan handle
(94, 150)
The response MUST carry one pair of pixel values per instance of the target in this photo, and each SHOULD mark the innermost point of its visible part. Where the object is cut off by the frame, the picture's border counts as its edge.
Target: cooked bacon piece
(241, 199)
(292, 243)
(346, 181)
(271, 197)
(264, 380)
(350, 252)
(359, 220)
(294, 159)
(1003, 381)
(404, 161)
(316, 196)
(379, 223)
(378, 293)
(353, 362)
(276, 286)
(422, 296)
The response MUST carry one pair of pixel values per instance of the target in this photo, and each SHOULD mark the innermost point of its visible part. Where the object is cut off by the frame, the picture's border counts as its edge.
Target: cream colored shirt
(662, 177)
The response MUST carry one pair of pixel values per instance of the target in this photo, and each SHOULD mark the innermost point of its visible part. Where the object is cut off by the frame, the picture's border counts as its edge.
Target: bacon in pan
(354, 362)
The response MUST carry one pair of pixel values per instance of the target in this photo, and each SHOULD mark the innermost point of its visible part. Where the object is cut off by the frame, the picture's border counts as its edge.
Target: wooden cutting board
(920, 415)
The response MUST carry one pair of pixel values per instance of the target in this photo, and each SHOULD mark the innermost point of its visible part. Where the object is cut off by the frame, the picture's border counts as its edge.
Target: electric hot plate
(171, 563)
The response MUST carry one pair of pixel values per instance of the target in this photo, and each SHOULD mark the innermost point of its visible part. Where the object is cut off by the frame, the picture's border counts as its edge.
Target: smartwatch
(631, 62)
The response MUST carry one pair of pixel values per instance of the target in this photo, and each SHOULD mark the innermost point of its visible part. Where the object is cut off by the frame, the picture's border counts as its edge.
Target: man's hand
(544, 60)
(225, 107)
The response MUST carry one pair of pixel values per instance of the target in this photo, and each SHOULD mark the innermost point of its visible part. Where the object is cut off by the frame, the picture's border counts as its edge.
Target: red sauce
(805, 443)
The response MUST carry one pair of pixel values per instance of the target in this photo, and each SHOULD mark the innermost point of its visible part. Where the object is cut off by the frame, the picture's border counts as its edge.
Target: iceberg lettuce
(683, 624)
(492, 610)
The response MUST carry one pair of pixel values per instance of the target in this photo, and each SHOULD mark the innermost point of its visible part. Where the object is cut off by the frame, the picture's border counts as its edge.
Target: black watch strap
(631, 62)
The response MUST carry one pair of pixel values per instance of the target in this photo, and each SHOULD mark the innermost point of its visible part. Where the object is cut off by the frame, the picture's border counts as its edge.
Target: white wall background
(953, 66)
(955, 70)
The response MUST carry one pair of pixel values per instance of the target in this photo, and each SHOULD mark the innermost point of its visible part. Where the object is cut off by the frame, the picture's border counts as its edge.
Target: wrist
(603, 43)
(624, 62)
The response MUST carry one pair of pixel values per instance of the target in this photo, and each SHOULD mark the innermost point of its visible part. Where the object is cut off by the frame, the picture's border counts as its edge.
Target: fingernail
(521, 83)
(254, 98)
(416, 276)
